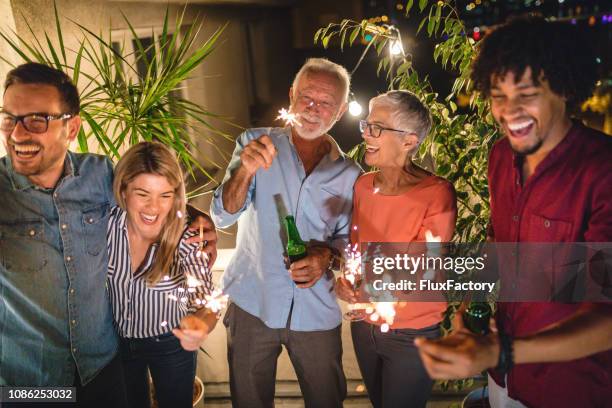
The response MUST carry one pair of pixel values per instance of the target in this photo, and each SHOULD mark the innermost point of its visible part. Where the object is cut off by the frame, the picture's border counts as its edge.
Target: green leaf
(409, 5)
(354, 34)
(422, 4)
(325, 42)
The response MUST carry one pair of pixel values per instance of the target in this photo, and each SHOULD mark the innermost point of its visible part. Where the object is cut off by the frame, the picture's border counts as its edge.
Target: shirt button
(68, 258)
(515, 217)
(547, 224)
(90, 220)
(64, 226)
(73, 322)
(32, 232)
(72, 291)
(74, 350)
(55, 195)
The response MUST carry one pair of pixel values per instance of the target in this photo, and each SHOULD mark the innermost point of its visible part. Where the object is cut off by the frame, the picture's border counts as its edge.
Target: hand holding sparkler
(258, 153)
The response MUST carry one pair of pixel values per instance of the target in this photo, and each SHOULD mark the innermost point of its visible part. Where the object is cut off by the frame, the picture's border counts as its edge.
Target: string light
(354, 107)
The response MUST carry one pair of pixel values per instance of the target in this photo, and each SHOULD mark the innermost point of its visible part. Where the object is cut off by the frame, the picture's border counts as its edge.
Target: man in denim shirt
(56, 326)
(297, 170)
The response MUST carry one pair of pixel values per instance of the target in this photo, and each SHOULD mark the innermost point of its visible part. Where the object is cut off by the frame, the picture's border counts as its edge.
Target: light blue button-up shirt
(55, 316)
(256, 278)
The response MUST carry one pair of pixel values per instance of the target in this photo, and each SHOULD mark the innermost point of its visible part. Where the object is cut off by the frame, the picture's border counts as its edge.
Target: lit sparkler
(290, 118)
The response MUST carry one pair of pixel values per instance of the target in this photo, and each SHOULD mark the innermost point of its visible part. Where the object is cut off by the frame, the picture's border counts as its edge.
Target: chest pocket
(544, 229)
(23, 246)
(330, 205)
(95, 220)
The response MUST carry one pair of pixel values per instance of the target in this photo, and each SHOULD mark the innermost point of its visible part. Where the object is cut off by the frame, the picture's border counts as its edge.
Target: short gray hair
(408, 112)
(317, 65)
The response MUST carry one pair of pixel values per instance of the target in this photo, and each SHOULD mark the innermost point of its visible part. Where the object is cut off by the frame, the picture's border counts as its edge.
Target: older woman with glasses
(400, 202)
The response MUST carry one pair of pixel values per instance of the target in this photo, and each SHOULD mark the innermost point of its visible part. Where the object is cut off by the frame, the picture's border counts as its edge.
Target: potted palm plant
(135, 95)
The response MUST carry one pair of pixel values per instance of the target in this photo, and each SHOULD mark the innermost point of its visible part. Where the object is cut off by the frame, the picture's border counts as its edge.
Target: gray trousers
(252, 353)
(390, 364)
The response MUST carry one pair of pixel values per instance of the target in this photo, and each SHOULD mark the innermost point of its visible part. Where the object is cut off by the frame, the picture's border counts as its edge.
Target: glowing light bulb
(355, 108)
(396, 48)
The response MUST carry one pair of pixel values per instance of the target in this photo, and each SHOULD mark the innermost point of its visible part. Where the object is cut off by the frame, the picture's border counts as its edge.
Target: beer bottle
(476, 317)
(296, 248)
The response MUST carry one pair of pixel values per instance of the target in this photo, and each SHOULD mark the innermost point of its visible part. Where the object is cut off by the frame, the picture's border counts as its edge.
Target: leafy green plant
(459, 143)
(121, 105)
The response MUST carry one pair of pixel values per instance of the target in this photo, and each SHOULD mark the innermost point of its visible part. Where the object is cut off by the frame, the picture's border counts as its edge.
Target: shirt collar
(21, 182)
(334, 152)
(147, 262)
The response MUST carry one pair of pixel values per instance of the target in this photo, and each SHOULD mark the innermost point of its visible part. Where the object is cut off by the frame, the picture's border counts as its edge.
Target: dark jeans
(390, 364)
(107, 389)
(172, 369)
(253, 350)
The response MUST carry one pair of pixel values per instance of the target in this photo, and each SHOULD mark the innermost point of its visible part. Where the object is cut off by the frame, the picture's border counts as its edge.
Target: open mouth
(26, 151)
(520, 129)
(372, 149)
(148, 219)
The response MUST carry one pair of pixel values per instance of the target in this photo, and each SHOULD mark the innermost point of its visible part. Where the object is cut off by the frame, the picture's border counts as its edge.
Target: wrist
(505, 360)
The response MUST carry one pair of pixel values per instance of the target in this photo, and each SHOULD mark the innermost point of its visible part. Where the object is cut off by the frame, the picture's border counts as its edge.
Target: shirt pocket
(23, 246)
(546, 229)
(329, 205)
(95, 220)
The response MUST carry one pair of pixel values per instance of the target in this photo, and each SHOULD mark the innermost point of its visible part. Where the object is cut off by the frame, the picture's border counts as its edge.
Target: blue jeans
(172, 369)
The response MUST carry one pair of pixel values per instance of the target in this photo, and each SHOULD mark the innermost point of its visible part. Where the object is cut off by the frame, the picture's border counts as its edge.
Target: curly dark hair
(558, 51)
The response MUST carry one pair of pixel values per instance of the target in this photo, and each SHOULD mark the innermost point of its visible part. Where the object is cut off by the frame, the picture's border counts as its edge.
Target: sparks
(291, 119)
(192, 281)
(215, 301)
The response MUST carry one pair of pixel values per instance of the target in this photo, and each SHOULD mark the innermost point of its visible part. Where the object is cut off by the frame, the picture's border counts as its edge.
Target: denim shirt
(55, 315)
(256, 278)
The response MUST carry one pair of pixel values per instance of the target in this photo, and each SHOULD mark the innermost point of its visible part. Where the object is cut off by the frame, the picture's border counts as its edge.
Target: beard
(316, 132)
(526, 150)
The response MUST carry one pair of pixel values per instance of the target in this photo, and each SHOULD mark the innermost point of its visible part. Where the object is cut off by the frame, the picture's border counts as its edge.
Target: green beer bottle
(476, 317)
(296, 248)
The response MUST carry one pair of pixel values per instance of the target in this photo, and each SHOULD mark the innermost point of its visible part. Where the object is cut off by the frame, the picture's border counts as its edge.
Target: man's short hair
(407, 111)
(557, 50)
(35, 73)
(323, 65)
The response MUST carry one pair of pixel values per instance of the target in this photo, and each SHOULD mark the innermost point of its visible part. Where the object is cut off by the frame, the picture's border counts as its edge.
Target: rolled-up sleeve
(219, 215)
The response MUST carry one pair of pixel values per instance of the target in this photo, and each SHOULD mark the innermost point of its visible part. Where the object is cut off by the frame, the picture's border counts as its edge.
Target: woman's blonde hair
(155, 158)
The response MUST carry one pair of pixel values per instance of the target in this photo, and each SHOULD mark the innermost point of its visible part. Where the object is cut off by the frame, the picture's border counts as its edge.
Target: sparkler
(290, 118)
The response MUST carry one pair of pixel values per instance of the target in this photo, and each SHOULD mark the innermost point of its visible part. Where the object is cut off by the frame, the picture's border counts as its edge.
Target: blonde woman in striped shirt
(156, 279)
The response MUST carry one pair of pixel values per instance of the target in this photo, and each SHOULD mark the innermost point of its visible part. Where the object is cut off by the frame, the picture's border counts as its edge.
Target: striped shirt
(141, 310)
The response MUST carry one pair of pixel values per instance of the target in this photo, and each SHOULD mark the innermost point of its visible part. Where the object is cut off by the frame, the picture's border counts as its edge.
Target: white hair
(408, 112)
(317, 65)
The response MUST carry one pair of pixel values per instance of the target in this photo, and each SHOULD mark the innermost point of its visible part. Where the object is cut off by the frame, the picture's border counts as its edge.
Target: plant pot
(198, 392)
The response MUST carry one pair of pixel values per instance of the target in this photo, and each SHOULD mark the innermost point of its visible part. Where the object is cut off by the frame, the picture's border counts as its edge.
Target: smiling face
(531, 115)
(38, 156)
(391, 148)
(318, 100)
(149, 198)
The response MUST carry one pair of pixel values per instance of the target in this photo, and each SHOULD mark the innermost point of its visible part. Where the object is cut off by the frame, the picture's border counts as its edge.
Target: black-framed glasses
(376, 130)
(32, 122)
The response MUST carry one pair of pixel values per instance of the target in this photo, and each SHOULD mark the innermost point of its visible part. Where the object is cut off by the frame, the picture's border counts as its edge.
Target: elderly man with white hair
(297, 170)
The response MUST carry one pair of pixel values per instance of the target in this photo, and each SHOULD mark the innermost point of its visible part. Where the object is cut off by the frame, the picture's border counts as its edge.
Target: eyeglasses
(308, 101)
(32, 122)
(376, 130)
